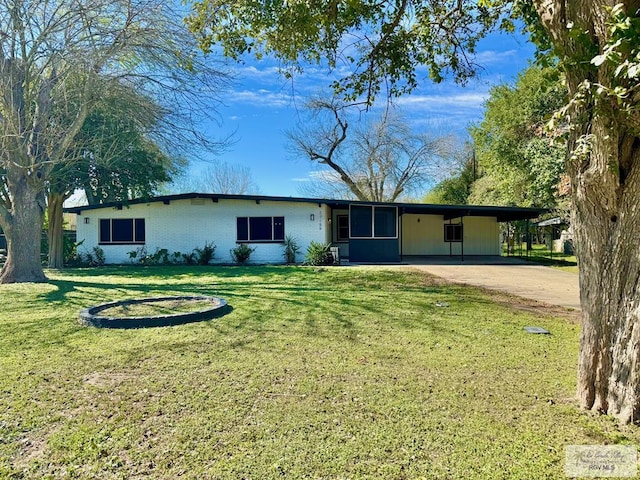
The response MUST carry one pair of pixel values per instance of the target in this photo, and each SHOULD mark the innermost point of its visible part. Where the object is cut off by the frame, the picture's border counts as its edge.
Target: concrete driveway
(514, 276)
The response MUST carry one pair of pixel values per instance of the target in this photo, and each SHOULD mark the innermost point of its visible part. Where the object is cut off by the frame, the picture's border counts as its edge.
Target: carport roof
(503, 214)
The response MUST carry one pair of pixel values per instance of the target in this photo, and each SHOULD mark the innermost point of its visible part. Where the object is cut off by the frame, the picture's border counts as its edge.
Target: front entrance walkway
(506, 274)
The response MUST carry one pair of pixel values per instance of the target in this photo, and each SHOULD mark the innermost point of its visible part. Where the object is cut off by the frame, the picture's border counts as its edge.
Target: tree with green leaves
(455, 189)
(597, 45)
(112, 159)
(57, 59)
(520, 160)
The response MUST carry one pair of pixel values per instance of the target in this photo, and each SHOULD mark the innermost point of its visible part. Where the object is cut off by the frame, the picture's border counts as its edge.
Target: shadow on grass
(265, 299)
(551, 261)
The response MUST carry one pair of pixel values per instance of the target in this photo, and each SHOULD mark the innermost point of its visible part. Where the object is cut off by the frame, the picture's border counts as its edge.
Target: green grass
(541, 254)
(315, 373)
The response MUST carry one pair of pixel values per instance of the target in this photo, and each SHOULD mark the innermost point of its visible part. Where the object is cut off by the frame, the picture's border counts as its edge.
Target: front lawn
(316, 373)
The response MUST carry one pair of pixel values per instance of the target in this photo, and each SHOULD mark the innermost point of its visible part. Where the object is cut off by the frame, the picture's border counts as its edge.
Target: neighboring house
(363, 231)
(558, 235)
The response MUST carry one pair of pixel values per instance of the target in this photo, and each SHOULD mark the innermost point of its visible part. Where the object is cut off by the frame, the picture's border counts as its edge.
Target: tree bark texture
(55, 233)
(606, 221)
(23, 229)
(605, 179)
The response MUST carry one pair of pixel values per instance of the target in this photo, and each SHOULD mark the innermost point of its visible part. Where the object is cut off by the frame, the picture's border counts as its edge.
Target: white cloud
(258, 98)
(329, 176)
(251, 71)
(492, 57)
(466, 100)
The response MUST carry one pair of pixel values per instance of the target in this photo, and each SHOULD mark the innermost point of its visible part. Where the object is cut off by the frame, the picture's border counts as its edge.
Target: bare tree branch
(378, 161)
(219, 177)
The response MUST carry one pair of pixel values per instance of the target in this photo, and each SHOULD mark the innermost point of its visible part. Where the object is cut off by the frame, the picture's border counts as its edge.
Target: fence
(69, 235)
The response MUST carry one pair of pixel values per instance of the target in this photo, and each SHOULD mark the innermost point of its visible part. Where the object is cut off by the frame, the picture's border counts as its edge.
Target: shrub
(71, 257)
(94, 258)
(241, 253)
(291, 248)
(319, 254)
(99, 257)
(160, 257)
(205, 254)
(140, 256)
(70, 250)
(190, 258)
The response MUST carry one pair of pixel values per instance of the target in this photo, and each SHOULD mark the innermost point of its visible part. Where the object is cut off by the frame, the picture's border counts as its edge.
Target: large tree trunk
(55, 232)
(606, 221)
(604, 168)
(23, 231)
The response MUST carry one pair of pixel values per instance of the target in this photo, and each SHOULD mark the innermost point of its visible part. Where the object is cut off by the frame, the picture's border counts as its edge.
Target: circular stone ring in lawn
(153, 312)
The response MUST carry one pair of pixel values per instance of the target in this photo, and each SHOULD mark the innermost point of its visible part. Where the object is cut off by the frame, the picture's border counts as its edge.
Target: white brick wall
(186, 224)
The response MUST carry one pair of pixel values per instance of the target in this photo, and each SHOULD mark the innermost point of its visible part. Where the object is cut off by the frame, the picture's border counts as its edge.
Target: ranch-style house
(371, 232)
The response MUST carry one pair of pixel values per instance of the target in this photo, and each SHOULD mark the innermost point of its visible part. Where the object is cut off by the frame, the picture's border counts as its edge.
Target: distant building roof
(77, 199)
(552, 221)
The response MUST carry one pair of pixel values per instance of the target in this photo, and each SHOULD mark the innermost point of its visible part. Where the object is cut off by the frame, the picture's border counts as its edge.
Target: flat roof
(503, 214)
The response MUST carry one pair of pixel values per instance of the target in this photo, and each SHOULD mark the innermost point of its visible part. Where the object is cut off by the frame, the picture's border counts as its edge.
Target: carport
(379, 232)
(457, 230)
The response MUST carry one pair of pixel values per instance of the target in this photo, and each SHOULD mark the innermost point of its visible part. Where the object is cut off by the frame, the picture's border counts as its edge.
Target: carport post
(462, 240)
(400, 213)
(528, 238)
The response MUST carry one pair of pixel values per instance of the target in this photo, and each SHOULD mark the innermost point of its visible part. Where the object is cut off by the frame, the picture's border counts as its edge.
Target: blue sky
(261, 105)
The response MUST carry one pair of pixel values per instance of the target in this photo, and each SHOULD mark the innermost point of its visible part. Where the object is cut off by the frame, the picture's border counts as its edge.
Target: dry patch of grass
(158, 307)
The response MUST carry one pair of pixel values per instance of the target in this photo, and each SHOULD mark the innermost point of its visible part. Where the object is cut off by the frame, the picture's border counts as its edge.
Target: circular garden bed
(153, 312)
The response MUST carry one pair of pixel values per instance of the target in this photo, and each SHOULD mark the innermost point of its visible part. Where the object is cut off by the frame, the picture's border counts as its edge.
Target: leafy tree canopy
(456, 189)
(114, 156)
(372, 40)
(520, 159)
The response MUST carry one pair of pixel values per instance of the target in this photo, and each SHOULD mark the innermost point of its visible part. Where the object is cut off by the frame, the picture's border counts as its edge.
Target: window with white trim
(121, 231)
(260, 229)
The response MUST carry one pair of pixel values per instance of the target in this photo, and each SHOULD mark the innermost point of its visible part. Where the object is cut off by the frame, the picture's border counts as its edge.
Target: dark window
(105, 230)
(373, 222)
(122, 230)
(343, 227)
(140, 235)
(385, 222)
(453, 232)
(361, 221)
(278, 228)
(243, 229)
(260, 229)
